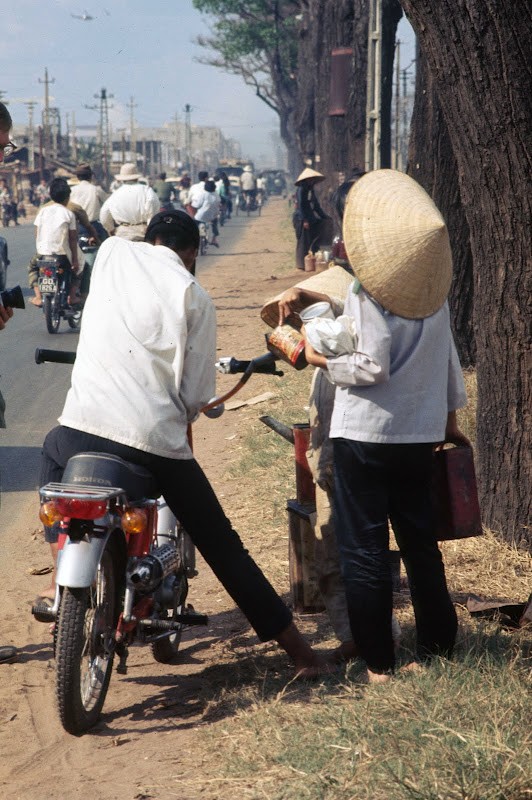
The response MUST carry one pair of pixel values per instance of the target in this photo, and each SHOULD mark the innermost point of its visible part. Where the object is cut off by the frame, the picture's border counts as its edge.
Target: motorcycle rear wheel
(52, 313)
(84, 656)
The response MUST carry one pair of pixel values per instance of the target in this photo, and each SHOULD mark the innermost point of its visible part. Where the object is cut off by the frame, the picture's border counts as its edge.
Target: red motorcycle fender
(77, 561)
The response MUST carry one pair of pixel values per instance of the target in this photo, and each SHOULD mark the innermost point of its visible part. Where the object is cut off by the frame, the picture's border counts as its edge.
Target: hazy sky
(133, 48)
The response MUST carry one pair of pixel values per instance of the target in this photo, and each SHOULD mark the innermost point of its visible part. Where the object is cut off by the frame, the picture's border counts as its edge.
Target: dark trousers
(191, 498)
(374, 483)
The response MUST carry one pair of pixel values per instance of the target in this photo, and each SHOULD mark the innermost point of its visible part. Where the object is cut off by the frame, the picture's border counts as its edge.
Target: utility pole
(397, 121)
(31, 150)
(133, 139)
(177, 142)
(373, 101)
(74, 139)
(188, 136)
(46, 112)
(103, 130)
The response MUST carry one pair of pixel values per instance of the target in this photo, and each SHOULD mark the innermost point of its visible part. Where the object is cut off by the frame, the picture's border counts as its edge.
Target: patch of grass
(459, 730)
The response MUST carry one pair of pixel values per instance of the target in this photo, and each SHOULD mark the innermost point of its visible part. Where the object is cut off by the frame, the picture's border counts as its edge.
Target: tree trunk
(336, 144)
(431, 162)
(479, 55)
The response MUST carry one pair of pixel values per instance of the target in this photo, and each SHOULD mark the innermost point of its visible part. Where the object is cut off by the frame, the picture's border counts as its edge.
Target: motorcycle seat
(106, 470)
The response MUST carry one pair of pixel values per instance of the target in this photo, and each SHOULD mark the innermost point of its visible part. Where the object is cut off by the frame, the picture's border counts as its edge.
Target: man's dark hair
(162, 176)
(6, 123)
(84, 172)
(175, 229)
(210, 186)
(202, 176)
(340, 194)
(59, 190)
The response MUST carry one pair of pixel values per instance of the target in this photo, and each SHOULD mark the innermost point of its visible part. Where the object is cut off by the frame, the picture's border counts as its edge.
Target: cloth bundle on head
(398, 244)
(128, 172)
(333, 282)
(309, 173)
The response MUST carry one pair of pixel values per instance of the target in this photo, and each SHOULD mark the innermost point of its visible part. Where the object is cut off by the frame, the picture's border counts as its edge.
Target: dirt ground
(144, 745)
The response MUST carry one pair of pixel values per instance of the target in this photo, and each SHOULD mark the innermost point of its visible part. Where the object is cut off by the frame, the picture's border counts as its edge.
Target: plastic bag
(332, 337)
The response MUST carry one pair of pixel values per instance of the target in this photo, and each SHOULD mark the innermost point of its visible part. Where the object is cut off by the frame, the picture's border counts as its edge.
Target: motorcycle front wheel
(52, 313)
(84, 652)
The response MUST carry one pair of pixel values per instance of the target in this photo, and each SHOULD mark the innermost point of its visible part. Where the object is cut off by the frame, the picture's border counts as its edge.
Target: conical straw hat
(334, 281)
(309, 173)
(397, 242)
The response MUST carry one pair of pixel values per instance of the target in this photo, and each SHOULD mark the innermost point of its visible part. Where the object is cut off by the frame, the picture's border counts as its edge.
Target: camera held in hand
(12, 298)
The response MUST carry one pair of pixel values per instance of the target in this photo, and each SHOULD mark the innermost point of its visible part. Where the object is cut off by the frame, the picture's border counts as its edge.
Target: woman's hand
(289, 301)
(314, 358)
(453, 433)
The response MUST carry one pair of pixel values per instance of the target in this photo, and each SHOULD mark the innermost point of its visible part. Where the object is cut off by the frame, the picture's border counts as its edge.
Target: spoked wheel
(84, 655)
(52, 313)
(203, 245)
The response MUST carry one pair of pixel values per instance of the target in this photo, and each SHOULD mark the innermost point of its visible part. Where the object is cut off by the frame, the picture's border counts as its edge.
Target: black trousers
(193, 501)
(375, 483)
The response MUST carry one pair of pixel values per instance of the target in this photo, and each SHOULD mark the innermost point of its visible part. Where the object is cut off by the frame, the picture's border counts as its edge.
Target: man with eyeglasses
(8, 654)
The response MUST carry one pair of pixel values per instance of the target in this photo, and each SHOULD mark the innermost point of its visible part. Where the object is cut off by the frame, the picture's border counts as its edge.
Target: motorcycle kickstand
(123, 651)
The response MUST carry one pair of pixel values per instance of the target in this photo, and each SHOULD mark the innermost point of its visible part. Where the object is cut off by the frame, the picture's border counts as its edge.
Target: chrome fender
(77, 561)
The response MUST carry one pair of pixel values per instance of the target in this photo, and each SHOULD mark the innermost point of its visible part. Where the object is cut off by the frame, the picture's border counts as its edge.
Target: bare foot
(413, 666)
(49, 592)
(36, 302)
(345, 652)
(378, 677)
(311, 673)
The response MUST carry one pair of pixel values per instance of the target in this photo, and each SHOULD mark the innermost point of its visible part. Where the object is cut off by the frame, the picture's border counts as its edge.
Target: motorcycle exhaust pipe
(150, 570)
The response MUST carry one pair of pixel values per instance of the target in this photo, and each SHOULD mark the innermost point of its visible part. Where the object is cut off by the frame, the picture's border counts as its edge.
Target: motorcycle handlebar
(265, 364)
(59, 356)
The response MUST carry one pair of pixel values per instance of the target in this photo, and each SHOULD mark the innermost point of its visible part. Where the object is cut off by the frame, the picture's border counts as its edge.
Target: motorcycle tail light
(48, 272)
(134, 520)
(76, 508)
(49, 513)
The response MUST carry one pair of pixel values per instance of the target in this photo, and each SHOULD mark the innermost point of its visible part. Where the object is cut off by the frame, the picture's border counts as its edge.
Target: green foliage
(256, 40)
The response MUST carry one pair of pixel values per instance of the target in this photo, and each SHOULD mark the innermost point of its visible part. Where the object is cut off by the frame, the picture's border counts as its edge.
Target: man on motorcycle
(127, 211)
(144, 369)
(90, 197)
(84, 228)
(57, 235)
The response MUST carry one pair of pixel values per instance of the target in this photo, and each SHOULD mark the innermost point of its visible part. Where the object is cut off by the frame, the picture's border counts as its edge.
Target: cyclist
(206, 208)
(248, 185)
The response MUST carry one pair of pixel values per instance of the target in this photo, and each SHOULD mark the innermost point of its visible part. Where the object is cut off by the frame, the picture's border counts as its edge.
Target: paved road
(34, 394)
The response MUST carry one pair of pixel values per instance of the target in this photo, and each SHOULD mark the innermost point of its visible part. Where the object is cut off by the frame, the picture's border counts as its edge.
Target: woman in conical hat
(332, 286)
(396, 398)
(311, 223)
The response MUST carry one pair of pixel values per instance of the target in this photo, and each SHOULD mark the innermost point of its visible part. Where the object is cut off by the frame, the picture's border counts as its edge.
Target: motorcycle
(54, 285)
(203, 238)
(122, 570)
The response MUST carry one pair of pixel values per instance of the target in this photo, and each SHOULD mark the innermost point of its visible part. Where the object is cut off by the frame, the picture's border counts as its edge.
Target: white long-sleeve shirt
(90, 197)
(402, 381)
(145, 359)
(131, 204)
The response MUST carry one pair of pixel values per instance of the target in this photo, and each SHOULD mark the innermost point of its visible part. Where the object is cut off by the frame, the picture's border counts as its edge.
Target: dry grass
(459, 730)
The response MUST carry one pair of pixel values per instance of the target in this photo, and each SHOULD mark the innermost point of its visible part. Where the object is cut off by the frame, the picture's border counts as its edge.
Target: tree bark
(336, 144)
(431, 163)
(479, 55)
